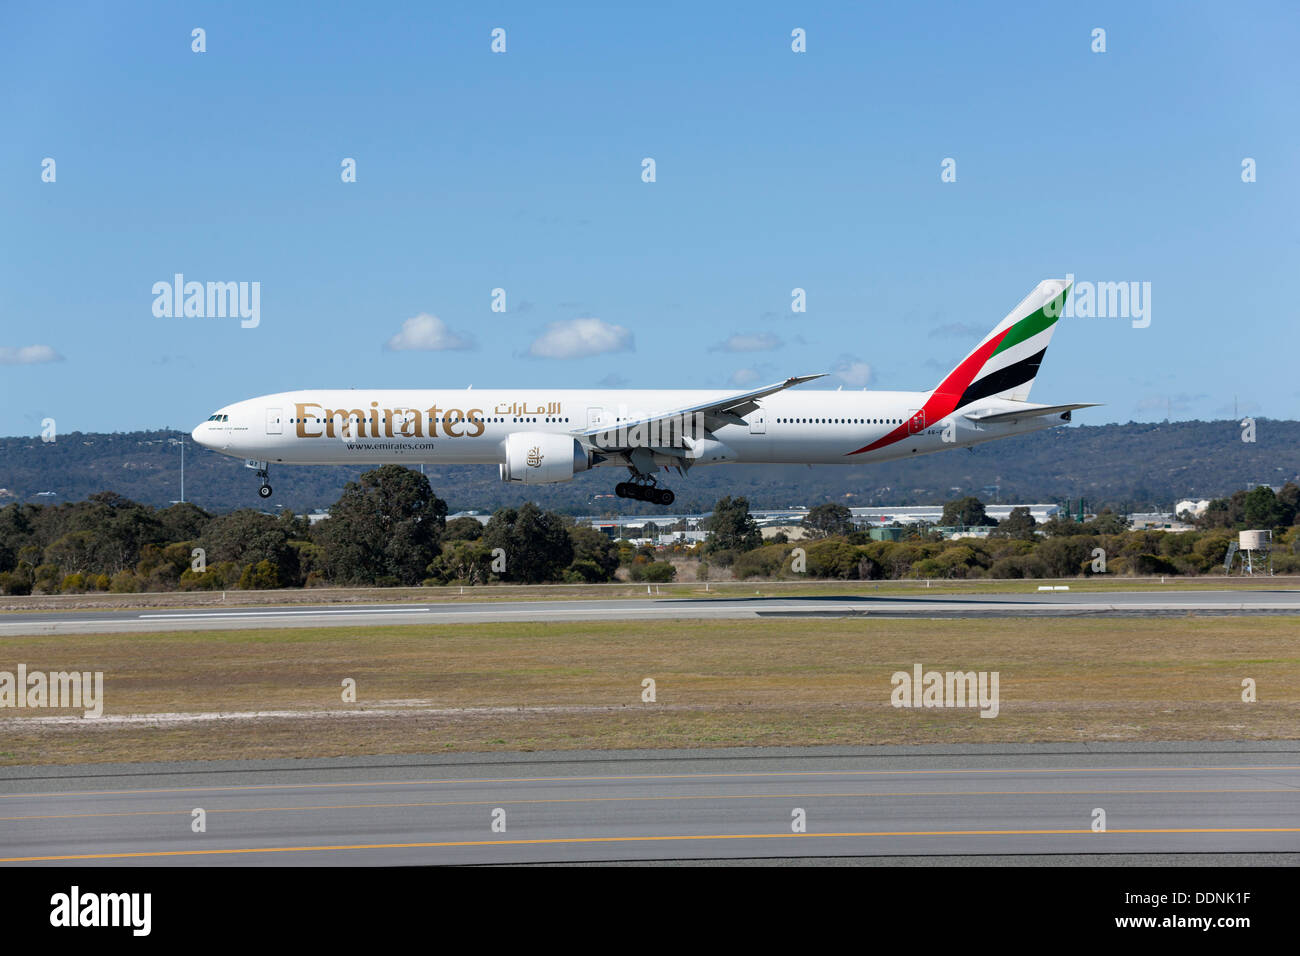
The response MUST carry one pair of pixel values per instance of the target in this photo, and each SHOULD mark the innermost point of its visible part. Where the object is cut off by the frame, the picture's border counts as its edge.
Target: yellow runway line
(633, 839)
(709, 796)
(667, 776)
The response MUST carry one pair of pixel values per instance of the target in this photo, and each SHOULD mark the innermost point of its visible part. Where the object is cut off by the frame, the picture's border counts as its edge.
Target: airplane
(548, 435)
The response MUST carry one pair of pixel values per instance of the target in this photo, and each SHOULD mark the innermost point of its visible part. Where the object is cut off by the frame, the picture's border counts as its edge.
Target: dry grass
(733, 683)
(570, 592)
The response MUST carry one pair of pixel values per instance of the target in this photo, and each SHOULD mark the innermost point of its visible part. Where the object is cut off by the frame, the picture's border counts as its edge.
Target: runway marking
(710, 796)
(215, 615)
(713, 610)
(665, 776)
(633, 839)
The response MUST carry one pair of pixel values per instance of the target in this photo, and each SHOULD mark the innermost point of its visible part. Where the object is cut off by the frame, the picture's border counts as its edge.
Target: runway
(1028, 604)
(1162, 803)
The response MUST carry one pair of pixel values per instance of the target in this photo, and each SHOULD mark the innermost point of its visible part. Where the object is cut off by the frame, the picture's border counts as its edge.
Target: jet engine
(541, 458)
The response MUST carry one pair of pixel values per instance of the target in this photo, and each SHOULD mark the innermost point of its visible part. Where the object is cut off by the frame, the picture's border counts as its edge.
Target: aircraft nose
(198, 435)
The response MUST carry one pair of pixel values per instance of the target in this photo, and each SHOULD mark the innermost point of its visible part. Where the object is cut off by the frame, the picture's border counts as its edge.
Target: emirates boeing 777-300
(544, 435)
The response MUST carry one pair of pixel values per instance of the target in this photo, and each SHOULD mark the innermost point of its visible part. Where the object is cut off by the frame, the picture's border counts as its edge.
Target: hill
(1136, 467)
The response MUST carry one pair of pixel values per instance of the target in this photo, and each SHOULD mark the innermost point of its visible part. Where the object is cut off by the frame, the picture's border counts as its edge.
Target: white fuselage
(471, 426)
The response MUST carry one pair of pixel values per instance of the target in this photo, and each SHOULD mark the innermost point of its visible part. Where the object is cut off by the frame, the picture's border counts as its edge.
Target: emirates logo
(534, 458)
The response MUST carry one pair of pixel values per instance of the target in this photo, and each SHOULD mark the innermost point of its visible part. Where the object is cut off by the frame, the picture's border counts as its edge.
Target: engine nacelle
(541, 458)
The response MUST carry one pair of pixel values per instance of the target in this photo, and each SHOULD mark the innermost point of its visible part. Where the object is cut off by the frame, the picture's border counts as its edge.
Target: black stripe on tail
(1004, 378)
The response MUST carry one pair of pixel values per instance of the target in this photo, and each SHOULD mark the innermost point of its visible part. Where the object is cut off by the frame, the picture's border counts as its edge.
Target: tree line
(386, 529)
(1017, 547)
(389, 529)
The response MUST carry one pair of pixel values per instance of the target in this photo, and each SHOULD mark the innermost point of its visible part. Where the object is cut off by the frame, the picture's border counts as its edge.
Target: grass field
(550, 686)
(569, 592)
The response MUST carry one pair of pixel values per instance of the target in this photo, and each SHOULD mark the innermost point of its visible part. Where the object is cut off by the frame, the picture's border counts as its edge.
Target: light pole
(181, 442)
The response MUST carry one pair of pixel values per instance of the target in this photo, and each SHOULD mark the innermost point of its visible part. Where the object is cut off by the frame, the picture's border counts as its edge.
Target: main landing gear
(644, 489)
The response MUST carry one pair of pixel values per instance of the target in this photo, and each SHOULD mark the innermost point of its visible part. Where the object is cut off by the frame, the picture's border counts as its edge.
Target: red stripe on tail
(943, 400)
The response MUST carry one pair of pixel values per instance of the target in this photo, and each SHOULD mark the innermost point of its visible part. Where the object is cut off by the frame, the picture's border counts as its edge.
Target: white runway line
(211, 615)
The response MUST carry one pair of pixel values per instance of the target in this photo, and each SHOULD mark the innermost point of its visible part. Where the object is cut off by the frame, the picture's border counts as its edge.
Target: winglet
(800, 379)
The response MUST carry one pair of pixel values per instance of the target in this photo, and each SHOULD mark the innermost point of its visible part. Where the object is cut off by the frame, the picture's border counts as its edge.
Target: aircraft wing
(725, 411)
(1028, 411)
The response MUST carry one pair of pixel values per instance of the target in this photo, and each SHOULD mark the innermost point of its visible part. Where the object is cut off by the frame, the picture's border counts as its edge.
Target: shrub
(652, 572)
(124, 582)
(760, 563)
(262, 576)
(13, 582)
(73, 584)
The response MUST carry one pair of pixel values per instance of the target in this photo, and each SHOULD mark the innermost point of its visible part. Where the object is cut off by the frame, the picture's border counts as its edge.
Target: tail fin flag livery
(1003, 365)
(550, 434)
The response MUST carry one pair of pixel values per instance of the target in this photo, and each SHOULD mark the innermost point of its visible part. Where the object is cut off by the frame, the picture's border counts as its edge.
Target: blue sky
(523, 171)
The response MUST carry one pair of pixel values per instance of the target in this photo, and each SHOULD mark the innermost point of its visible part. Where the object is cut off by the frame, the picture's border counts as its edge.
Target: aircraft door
(595, 418)
(758, 423)
(273, 423)
(916, 424)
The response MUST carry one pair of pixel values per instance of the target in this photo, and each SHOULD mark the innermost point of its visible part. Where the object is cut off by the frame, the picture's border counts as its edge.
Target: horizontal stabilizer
(1029, 411)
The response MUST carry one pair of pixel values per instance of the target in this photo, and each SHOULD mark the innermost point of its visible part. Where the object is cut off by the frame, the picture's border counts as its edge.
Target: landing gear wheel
(666, 497)
(621, 489)
(264, 491)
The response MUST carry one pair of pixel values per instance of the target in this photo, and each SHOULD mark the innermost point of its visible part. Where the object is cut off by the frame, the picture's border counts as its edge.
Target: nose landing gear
(265, 490)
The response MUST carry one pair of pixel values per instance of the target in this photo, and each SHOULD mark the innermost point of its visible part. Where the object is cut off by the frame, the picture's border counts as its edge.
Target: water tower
(1255, 546)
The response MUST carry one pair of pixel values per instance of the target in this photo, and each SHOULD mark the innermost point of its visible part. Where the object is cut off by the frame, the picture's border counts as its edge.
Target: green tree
(183, 521)
(17, 528)
(652, 572)
(74, 551)
(731, 527)
(1020, 525)
(1064, 557)
(1289, 498)
(1227, 512)
(828, 519)
(1263, 510)
(248, 537)
(119, 528)
(385, 529)
(536, 543)
(461, 561)
(833, 559)
(591, 547)
(965, 512)
(463, 529)
(262, 576)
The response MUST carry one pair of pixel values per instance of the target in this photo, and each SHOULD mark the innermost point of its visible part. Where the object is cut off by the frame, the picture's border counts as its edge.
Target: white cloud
(851, 371)
(744, 376)
(749, 342)
(427, 333)
(578, 338)
(28, 355)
